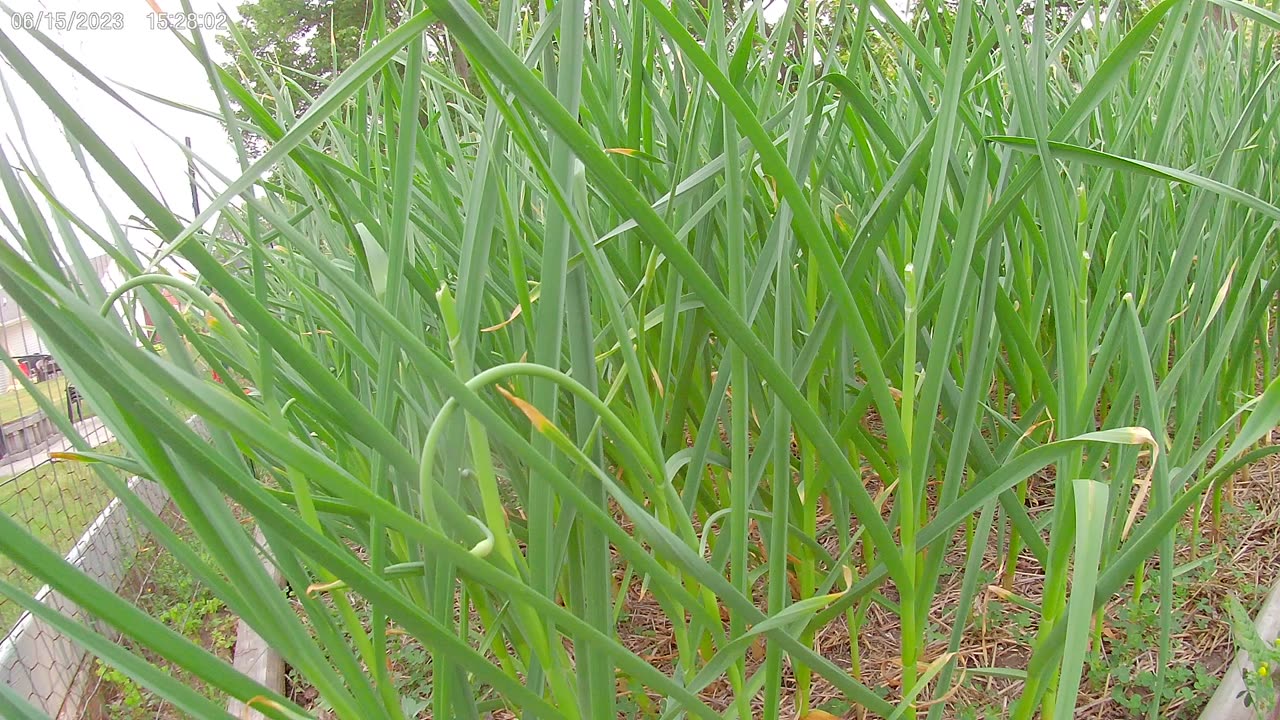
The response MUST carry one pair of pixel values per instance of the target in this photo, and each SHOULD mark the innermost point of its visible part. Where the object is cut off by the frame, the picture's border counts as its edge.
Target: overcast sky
(136, 56)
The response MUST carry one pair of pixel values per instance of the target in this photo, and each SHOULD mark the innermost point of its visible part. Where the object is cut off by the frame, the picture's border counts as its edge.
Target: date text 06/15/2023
(76, 20)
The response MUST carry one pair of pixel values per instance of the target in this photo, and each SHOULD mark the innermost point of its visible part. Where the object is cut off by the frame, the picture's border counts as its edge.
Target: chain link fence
(67, 506)
(56, 501)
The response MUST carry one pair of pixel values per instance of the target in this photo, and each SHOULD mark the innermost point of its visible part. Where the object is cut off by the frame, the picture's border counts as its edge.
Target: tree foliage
(302, 45)
(309, 41)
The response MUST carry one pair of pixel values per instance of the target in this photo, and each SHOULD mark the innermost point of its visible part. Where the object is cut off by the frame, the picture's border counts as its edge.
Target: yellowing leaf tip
(316, 588)
(540, 421)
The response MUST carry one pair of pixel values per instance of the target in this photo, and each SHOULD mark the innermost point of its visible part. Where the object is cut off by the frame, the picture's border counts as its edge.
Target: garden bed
(165, 589)
(1238, 559)
(802, 294)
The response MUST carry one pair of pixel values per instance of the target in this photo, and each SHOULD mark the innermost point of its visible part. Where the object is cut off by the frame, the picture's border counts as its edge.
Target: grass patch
(55, 502)
(18, 403)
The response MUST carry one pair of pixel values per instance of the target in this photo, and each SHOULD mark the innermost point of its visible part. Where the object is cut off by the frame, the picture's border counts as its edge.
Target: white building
(18, 335)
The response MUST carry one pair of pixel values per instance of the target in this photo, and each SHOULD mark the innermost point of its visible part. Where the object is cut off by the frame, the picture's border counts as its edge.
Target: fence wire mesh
(67, 506)
(157, 584)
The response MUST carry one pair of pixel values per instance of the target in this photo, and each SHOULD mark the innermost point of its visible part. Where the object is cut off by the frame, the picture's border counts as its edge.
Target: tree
(310, 41)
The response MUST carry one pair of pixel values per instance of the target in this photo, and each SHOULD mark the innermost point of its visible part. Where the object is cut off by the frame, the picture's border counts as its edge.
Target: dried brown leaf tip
(510, 319)
(633, 153)
(540, 421)
(261, 701)
(317, 588)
